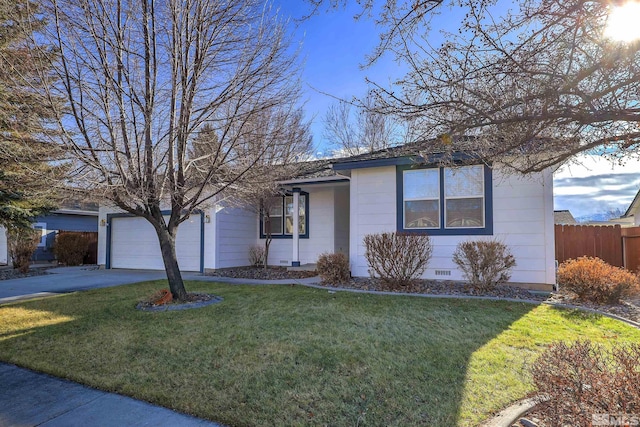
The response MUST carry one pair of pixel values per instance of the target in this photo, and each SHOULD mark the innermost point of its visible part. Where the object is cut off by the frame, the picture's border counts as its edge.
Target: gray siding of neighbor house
(62, 222)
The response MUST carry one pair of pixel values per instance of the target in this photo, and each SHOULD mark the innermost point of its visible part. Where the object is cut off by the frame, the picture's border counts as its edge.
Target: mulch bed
(193, 300)
(259, 273)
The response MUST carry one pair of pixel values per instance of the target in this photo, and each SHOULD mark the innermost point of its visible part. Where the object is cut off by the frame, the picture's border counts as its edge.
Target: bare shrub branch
(333, 269)
(484, 263)
(398, 259)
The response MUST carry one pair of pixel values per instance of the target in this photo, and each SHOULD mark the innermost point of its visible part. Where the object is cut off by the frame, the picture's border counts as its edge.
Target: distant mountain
(603, 216)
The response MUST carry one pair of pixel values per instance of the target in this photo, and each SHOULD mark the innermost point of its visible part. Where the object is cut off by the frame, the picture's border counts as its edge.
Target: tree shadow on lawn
(282, 355)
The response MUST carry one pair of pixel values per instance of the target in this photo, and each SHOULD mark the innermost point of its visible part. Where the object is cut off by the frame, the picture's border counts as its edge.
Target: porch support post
(295, 261)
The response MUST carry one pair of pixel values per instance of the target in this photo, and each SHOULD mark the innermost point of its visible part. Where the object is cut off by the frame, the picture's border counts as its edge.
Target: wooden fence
(92, 254)
(631, 246)
(615, 245)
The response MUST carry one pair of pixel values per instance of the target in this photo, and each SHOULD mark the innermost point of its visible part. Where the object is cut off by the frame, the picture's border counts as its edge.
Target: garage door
(134, 244)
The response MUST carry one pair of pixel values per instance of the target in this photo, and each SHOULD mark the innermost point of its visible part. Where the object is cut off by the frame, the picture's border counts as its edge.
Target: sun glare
(624, 22)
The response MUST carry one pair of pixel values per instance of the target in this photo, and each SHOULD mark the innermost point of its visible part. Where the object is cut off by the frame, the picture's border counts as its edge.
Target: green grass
(282, 355)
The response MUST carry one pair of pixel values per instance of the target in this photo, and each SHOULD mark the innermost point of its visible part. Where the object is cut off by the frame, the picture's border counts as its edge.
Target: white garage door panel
(134, 244)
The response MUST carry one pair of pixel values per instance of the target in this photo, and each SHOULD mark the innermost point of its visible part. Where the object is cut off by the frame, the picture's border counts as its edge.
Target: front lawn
(285, 355)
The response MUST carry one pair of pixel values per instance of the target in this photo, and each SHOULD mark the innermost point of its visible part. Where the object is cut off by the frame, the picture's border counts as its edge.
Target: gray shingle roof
(322, 168)
(564, 217)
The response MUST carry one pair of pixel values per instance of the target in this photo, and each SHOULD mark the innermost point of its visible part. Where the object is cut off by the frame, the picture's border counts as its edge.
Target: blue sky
(334, 47)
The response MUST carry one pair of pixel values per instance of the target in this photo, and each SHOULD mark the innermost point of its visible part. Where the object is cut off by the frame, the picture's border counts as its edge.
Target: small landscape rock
(524, 422)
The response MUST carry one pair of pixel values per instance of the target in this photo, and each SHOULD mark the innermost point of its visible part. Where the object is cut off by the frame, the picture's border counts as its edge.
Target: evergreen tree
(26, 172)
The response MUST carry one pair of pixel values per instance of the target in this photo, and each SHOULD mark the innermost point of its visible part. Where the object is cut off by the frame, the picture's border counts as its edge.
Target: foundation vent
(443, 272)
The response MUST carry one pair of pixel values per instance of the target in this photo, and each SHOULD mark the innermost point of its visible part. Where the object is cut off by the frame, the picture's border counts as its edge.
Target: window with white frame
(280, 217)
(421, 198)
(450, 200)
(42, 226)
(288, 219)
(464, 197)
(274, 218)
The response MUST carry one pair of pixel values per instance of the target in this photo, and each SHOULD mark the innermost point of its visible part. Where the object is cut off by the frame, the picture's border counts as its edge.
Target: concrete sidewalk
(32, 399)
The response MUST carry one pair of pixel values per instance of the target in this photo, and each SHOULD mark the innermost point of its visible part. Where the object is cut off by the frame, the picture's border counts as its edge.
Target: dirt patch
(259, 273)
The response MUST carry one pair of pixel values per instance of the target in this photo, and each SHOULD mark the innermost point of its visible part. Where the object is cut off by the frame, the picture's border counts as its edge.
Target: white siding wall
(236, 230)
(341, 226)
(4, 250)
(209, 236)
(321, 231)
(522, 218)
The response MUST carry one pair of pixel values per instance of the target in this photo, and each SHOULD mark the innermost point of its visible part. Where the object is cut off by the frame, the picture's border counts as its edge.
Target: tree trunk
(168, 248)
(267, 243)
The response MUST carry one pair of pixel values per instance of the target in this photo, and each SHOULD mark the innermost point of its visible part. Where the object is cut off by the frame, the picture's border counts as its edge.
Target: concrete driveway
(70, 279)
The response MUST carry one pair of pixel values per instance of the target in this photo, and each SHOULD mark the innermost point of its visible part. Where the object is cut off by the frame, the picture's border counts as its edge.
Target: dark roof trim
(631, 207)
(374, 163)
(402, 161)
(301, 183)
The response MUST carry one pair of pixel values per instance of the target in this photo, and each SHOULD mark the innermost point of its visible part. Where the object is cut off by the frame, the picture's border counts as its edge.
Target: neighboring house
(72, 216)
(631, 217)
(564, 217)
(342, 200)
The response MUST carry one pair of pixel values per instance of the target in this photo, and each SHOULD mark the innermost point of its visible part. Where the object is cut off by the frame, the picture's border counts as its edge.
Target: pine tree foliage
(26, 173)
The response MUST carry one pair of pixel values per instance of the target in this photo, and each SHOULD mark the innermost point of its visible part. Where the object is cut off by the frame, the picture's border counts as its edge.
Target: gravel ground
(259, 273)
(441, 287)
(629, 309)
(9, 273)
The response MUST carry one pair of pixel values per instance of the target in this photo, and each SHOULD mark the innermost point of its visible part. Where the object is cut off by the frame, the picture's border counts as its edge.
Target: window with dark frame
(445, 201)
(281, 216)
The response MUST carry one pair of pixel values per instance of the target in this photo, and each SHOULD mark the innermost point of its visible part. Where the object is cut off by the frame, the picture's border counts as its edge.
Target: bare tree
(143, 79)
(364, 131)
(263, 192)
(531, 87)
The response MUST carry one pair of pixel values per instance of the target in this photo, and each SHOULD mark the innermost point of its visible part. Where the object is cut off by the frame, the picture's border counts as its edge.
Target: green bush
(70, 248)
(592, 279)
(333, 268)
(22, 243)
(484, 263)
(397, 258)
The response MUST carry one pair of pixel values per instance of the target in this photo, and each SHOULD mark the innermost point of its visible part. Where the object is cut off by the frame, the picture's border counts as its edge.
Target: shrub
(592, 279)
(333, 268)
(585, 378)
(256, 255)
(70, 248)
(22, 243)
(484, 263)
(397, 258)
